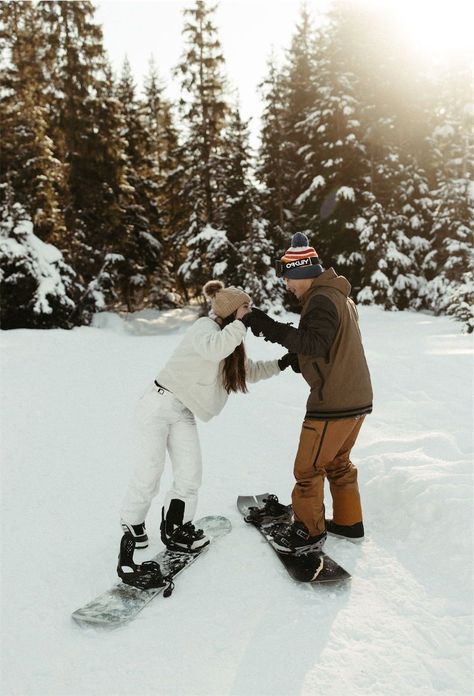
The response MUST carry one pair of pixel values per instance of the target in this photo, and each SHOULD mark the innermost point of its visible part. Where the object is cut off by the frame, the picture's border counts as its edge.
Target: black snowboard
(309, 567)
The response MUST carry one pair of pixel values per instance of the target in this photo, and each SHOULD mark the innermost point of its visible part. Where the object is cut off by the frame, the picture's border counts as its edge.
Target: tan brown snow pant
(324, 450)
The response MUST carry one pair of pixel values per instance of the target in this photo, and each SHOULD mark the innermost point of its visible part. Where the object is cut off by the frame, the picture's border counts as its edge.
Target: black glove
(287, 360)
(245, 319)
(263, 325)
(284, 361)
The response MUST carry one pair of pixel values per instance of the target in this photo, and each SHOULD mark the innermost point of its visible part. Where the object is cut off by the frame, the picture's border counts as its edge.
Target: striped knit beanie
(224, 301)
(300, 260)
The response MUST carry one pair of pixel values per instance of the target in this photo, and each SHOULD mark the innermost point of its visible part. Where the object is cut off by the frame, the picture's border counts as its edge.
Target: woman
(207, 365)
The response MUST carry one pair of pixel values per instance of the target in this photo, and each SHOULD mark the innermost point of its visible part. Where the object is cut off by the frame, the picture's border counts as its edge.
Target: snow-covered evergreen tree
(334, 175)
(256, 271)
(177, 208)
(298, 77)
(161, 149)
(363, 150)
(28, 163)
(396, 246)
(394, 208)
(156, 120)
(37, 287)
(141, 224)
(270, 166)
(387, 269)
(461, 305)
(204, 111)
(84, 118)
(411, 221)
(249, 262)
(449, 264)
(237, 188)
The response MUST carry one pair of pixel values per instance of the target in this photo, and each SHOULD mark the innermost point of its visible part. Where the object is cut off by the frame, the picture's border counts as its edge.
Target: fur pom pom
(211, 288)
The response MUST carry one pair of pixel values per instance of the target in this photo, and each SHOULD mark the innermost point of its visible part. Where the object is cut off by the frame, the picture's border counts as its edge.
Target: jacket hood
(329, 279)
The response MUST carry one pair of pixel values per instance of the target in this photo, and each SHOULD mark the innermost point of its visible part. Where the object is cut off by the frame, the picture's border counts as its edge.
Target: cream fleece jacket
(193, 373)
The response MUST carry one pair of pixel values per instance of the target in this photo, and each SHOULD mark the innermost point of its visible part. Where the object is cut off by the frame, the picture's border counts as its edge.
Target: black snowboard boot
(271, 511)
(177, 536)
(138, 532)
(295, 538)
(352, 532)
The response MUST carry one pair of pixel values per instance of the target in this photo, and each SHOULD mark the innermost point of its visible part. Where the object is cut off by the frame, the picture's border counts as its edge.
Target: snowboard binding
(145, 576)
(271, 512)
(179, 536)
(295, 539)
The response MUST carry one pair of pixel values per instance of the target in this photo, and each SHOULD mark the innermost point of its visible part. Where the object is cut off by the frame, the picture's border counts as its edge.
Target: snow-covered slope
(236, 624)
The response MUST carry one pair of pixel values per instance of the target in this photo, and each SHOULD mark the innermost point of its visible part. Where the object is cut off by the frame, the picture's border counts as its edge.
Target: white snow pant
(163, 423)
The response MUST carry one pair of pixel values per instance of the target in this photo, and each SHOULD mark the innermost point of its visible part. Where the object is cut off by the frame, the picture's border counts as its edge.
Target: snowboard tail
(122, 602)
(315, 567)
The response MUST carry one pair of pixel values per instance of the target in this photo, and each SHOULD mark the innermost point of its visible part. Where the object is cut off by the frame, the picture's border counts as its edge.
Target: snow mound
(148, 322)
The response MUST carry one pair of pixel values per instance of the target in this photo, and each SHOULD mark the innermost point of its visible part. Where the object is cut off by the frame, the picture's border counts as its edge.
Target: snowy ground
(236, 624)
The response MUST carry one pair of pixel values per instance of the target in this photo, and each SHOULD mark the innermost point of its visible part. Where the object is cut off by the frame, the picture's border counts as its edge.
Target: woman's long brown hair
(233, 371)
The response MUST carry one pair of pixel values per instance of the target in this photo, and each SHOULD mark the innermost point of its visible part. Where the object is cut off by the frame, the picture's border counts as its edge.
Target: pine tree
(387, 263)
(449, 264)
(204, 111)
(37, 287)
(255, 271)
(156, 120)
(334, 173)
(395, 207)
(170, 153)
(141, 226)
(162, 149)
(411, 224)
(249, 262)
(28, 163)
(234, 210)
(270, 169)
(177, 209)
(397, 246)
(298, 83)
(79, 98)
(461, 305)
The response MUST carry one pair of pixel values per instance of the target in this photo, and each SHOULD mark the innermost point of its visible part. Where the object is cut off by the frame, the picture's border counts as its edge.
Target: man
(331, 358)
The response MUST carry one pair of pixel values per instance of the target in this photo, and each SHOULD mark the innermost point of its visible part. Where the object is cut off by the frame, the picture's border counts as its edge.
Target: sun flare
(433, 27)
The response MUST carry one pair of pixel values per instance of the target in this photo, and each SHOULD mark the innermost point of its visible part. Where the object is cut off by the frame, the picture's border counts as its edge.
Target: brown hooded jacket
(330, 352)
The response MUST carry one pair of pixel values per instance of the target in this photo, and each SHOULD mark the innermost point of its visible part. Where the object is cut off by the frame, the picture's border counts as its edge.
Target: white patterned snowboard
(123, 602)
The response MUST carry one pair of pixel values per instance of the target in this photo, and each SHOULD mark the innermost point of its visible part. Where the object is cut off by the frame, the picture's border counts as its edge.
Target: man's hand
(263, 325)
(259, 322)
(287, 360)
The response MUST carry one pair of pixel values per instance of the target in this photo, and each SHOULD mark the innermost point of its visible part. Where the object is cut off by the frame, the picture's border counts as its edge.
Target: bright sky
(250, 29)
(436, 27)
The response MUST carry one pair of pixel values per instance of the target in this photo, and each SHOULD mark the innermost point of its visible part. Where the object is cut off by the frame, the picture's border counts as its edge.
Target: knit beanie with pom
(300, 260)
(224, 301)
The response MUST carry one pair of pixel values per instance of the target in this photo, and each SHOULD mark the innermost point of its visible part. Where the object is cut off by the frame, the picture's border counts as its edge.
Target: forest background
(115, 198)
